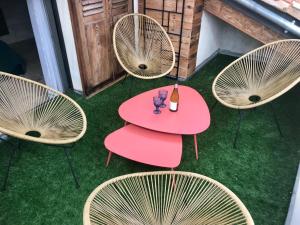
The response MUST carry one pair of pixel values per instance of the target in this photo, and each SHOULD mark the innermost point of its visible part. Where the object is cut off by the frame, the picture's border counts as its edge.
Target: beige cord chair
(143, 47)
(34, 112)
(164, 198)
(259, 77)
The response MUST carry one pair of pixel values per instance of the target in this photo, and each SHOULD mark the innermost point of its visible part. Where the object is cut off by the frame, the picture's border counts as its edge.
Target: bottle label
(173, 106)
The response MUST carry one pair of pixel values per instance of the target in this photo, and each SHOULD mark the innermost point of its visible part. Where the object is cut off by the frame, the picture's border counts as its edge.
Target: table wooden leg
(196, 145)
(108, 158)
(126, 123)
(173, 178)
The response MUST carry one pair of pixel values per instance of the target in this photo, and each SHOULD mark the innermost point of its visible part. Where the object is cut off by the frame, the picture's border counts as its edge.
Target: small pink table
(191, 118)
(146, 146)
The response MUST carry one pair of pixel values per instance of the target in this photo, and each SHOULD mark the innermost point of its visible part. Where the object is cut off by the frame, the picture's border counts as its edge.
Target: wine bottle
(174, 99)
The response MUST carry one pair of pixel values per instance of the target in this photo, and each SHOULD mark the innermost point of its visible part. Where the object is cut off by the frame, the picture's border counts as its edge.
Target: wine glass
(163, 95)
(157, 103)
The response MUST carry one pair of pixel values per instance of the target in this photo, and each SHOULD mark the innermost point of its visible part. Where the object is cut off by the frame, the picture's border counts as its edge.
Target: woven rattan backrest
(262, 74)
(164, 198)
(143, 47)
(35, 112)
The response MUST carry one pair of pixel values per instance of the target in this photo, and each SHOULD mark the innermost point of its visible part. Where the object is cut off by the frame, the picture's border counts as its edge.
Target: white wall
(67, 30)
(17, 19)
(235, 41)
(209, 40)
(218, 36)
(46, 39)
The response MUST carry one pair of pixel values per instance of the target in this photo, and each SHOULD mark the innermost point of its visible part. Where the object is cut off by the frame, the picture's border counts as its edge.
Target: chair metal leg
(18, 152)
(238, 128)
(7, 169)
(67, 153)
(213, 106)
(211, 111)
(276, 120)
(130, 87)
(125, 78)
(128, 78)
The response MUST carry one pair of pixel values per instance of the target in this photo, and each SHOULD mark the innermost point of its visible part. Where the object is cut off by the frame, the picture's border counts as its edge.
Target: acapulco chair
(259, 77)
(168, 197)
(142, 46)
(35, 112)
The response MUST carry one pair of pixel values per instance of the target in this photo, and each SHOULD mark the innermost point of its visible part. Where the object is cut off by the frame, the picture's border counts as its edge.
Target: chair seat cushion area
(146, 146)
(259, 76)
(143, 47)
(164, 197)
(35, 112)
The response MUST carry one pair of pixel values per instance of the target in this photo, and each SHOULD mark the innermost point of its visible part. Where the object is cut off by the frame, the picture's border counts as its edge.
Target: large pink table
(191, 118)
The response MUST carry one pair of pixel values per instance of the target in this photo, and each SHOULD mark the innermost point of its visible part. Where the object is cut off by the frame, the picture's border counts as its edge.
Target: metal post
(67, 153)
(18, 152)
(125, 78)
(7, 169)
(12, 154)
(130, 86)
(213, 106)
(276, 120)
(212, 119)
(238, 129)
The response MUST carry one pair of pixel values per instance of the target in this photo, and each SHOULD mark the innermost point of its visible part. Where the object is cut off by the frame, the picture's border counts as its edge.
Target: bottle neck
(176, 86)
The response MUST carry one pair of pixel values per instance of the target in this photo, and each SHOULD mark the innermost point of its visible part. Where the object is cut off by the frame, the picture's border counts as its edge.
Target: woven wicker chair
(259, 77)
(34, 112)
(164, 198)
(143, 47)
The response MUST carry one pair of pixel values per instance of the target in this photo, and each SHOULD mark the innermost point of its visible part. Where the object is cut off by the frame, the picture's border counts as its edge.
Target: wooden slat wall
(237, 19)
(185, 36)
(93, 22)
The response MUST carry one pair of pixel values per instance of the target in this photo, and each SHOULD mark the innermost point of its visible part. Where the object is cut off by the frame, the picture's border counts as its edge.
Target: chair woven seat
(143, 47)
(164, 198)
(259, 76)
(34, 112)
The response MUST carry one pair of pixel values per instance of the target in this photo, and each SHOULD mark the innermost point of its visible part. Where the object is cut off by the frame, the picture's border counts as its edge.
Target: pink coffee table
(145, 146)
(191, 118)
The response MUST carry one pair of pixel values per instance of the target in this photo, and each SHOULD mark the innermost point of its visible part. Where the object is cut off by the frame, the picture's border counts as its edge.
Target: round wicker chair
(142, 46)
(164, 198)
(34, 112)
(259, 77)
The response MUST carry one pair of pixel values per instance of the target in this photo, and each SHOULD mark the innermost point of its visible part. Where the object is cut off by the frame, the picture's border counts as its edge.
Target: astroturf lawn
(261, 171)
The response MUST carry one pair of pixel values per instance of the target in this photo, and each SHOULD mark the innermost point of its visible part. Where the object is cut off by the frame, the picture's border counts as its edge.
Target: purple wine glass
(163, 96)
(157, 103)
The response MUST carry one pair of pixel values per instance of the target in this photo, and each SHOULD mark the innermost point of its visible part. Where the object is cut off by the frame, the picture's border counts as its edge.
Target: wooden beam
(242, 22)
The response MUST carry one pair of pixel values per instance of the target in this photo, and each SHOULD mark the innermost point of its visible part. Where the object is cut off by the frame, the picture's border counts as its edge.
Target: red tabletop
(192, 116)
(146, 146)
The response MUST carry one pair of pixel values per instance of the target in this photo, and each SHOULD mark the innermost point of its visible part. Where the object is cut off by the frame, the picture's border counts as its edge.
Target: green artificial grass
(261, 171)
